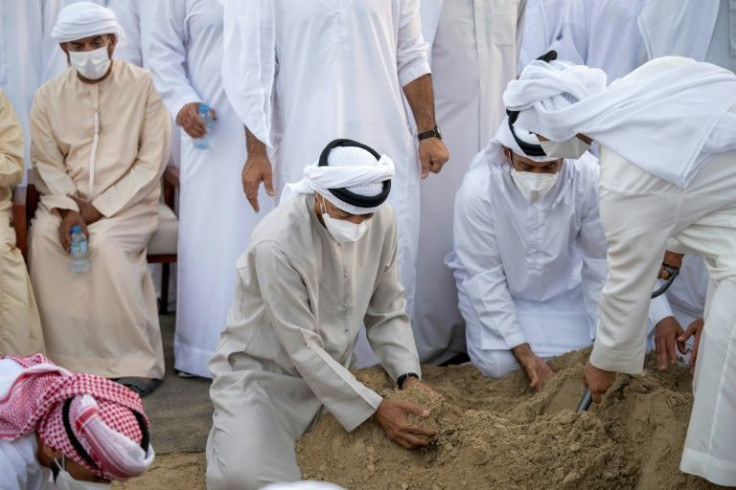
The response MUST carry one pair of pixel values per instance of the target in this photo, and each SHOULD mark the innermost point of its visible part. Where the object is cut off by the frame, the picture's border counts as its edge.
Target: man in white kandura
(215, 221)
(300, 74)
(542, 24)
(474, 46)
(319, 267)
(667, 140)
(529, 255)
(100, 143)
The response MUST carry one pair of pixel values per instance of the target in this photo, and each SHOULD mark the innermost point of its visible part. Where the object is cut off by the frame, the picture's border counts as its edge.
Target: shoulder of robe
(129, 73)
(587, 170)
(56, 85)
(288, 225)
(481, 179)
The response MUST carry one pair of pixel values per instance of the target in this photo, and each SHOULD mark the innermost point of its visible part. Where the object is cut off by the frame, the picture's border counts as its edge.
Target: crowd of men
(393, 181)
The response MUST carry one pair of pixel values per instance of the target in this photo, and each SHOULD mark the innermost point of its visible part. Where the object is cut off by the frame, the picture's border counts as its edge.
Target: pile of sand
(497, 434)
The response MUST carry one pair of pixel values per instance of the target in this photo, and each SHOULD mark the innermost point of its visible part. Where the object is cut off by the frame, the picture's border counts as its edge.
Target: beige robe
(300, 301)
(104, 322)
(20, 326)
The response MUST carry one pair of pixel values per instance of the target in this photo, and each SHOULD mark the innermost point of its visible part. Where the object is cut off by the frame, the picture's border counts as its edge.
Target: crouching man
(319, 267)
(529, 256)
(64, 430)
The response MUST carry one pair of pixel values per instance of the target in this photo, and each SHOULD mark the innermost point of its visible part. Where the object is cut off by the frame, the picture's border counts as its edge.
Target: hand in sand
(537, 371)
(667, 331)
(598, 381)
(391, 417)
(695, 330)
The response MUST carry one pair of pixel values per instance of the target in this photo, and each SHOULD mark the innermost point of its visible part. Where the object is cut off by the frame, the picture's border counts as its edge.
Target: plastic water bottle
(206, 114)
(79, 252)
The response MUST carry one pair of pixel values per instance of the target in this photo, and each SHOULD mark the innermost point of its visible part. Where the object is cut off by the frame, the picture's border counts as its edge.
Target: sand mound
(497, 434)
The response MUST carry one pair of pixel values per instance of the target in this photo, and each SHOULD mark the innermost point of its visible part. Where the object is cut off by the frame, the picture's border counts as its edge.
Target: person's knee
(224, 473)
(494, 364)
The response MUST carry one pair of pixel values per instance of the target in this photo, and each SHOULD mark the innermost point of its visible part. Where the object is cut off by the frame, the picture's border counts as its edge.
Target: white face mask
(65, 481)
(341, 230)
(534, 186)
(91, 64)
(573, 148)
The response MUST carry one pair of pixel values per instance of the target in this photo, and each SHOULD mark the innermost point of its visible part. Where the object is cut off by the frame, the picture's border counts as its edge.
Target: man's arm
(146, 171)
(257, 169)
(413, 69)
(287, 301)
(11, 145)
(168, 59)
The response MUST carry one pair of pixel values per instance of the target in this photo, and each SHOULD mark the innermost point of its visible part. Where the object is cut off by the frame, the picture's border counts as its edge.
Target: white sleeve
(659, 309)
(168, 56)
(593, 246)
(412, 55)
(485, 280)
(431, 11)
(249, 63)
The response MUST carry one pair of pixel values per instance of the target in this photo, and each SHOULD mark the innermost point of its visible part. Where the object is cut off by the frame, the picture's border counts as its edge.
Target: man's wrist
(431, 132)
(401, 381)
(521, 351)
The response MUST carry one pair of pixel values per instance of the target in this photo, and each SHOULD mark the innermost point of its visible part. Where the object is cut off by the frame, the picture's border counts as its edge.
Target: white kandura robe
(602, 34)
(27, 55)
(542, 23)
(215, 220)
(106, 321)
(301, 74)
(301, 300)
(474, 46)
(527, 273)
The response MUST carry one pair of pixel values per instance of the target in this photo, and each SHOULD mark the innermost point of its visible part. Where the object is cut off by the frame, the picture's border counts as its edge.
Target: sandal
(142, 386)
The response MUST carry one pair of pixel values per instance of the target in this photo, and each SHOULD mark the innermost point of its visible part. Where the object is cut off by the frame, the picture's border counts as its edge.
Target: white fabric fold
(85, 19)
(668, 117)
(504, 136)
(322, 179)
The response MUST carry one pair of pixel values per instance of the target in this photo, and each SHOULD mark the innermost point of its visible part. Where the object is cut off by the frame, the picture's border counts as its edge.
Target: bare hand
(433, 154)
(391, 417)
(257, 169)
(672, 259)
(191, 122)
(536, 370)
(598, 381)
(90, 214)
(70, 219)
(695, 329)
(666, 334)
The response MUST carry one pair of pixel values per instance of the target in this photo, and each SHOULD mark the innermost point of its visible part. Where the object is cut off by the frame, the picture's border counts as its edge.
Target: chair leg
(163, 308)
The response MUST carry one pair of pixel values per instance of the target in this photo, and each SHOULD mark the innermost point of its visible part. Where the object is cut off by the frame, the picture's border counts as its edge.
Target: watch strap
(402, 379)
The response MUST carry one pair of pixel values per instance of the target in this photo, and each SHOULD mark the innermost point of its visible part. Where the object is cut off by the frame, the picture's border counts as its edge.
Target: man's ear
(112, 44)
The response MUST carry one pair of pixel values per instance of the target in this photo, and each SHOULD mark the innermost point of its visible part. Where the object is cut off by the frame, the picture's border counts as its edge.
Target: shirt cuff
(60, 202)
(659, 309)
(514, 340)
(629, 362)
(414, 71)
(371, 402)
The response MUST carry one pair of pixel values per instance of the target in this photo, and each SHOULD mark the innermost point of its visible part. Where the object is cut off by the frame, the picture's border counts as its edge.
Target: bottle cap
(76, 229)
(204, 108)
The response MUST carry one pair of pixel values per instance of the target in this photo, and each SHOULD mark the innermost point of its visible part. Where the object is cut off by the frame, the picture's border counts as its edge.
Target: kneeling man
(318, 268)
(529, 255)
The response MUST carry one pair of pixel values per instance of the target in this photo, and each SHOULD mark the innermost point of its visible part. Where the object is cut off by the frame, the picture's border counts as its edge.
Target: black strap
(145, 438)
(344, 194)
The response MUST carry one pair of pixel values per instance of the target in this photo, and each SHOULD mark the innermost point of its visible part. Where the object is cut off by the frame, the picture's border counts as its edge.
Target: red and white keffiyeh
(101, 416)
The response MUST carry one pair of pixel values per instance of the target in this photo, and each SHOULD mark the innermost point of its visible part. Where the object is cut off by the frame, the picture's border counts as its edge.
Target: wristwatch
(402, 379)
(432, 133)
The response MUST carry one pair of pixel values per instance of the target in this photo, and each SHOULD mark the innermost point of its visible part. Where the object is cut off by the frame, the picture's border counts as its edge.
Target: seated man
(100, 140)
(529, 255)
(318, 267)
(59, 429)
(20, 327)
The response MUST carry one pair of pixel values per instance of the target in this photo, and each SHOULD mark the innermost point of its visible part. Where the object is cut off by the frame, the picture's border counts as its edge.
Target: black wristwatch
(402, 379)
(432, 133)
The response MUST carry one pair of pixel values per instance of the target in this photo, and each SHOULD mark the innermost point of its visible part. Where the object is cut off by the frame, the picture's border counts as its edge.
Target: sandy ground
(496, 434)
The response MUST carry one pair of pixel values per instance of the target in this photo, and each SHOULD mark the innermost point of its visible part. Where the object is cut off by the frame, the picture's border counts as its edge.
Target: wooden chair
(161, 248)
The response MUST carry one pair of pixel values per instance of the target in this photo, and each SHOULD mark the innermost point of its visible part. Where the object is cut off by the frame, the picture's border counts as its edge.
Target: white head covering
(85, 19)
(348, 167)
(668, 117)
(504, 136)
